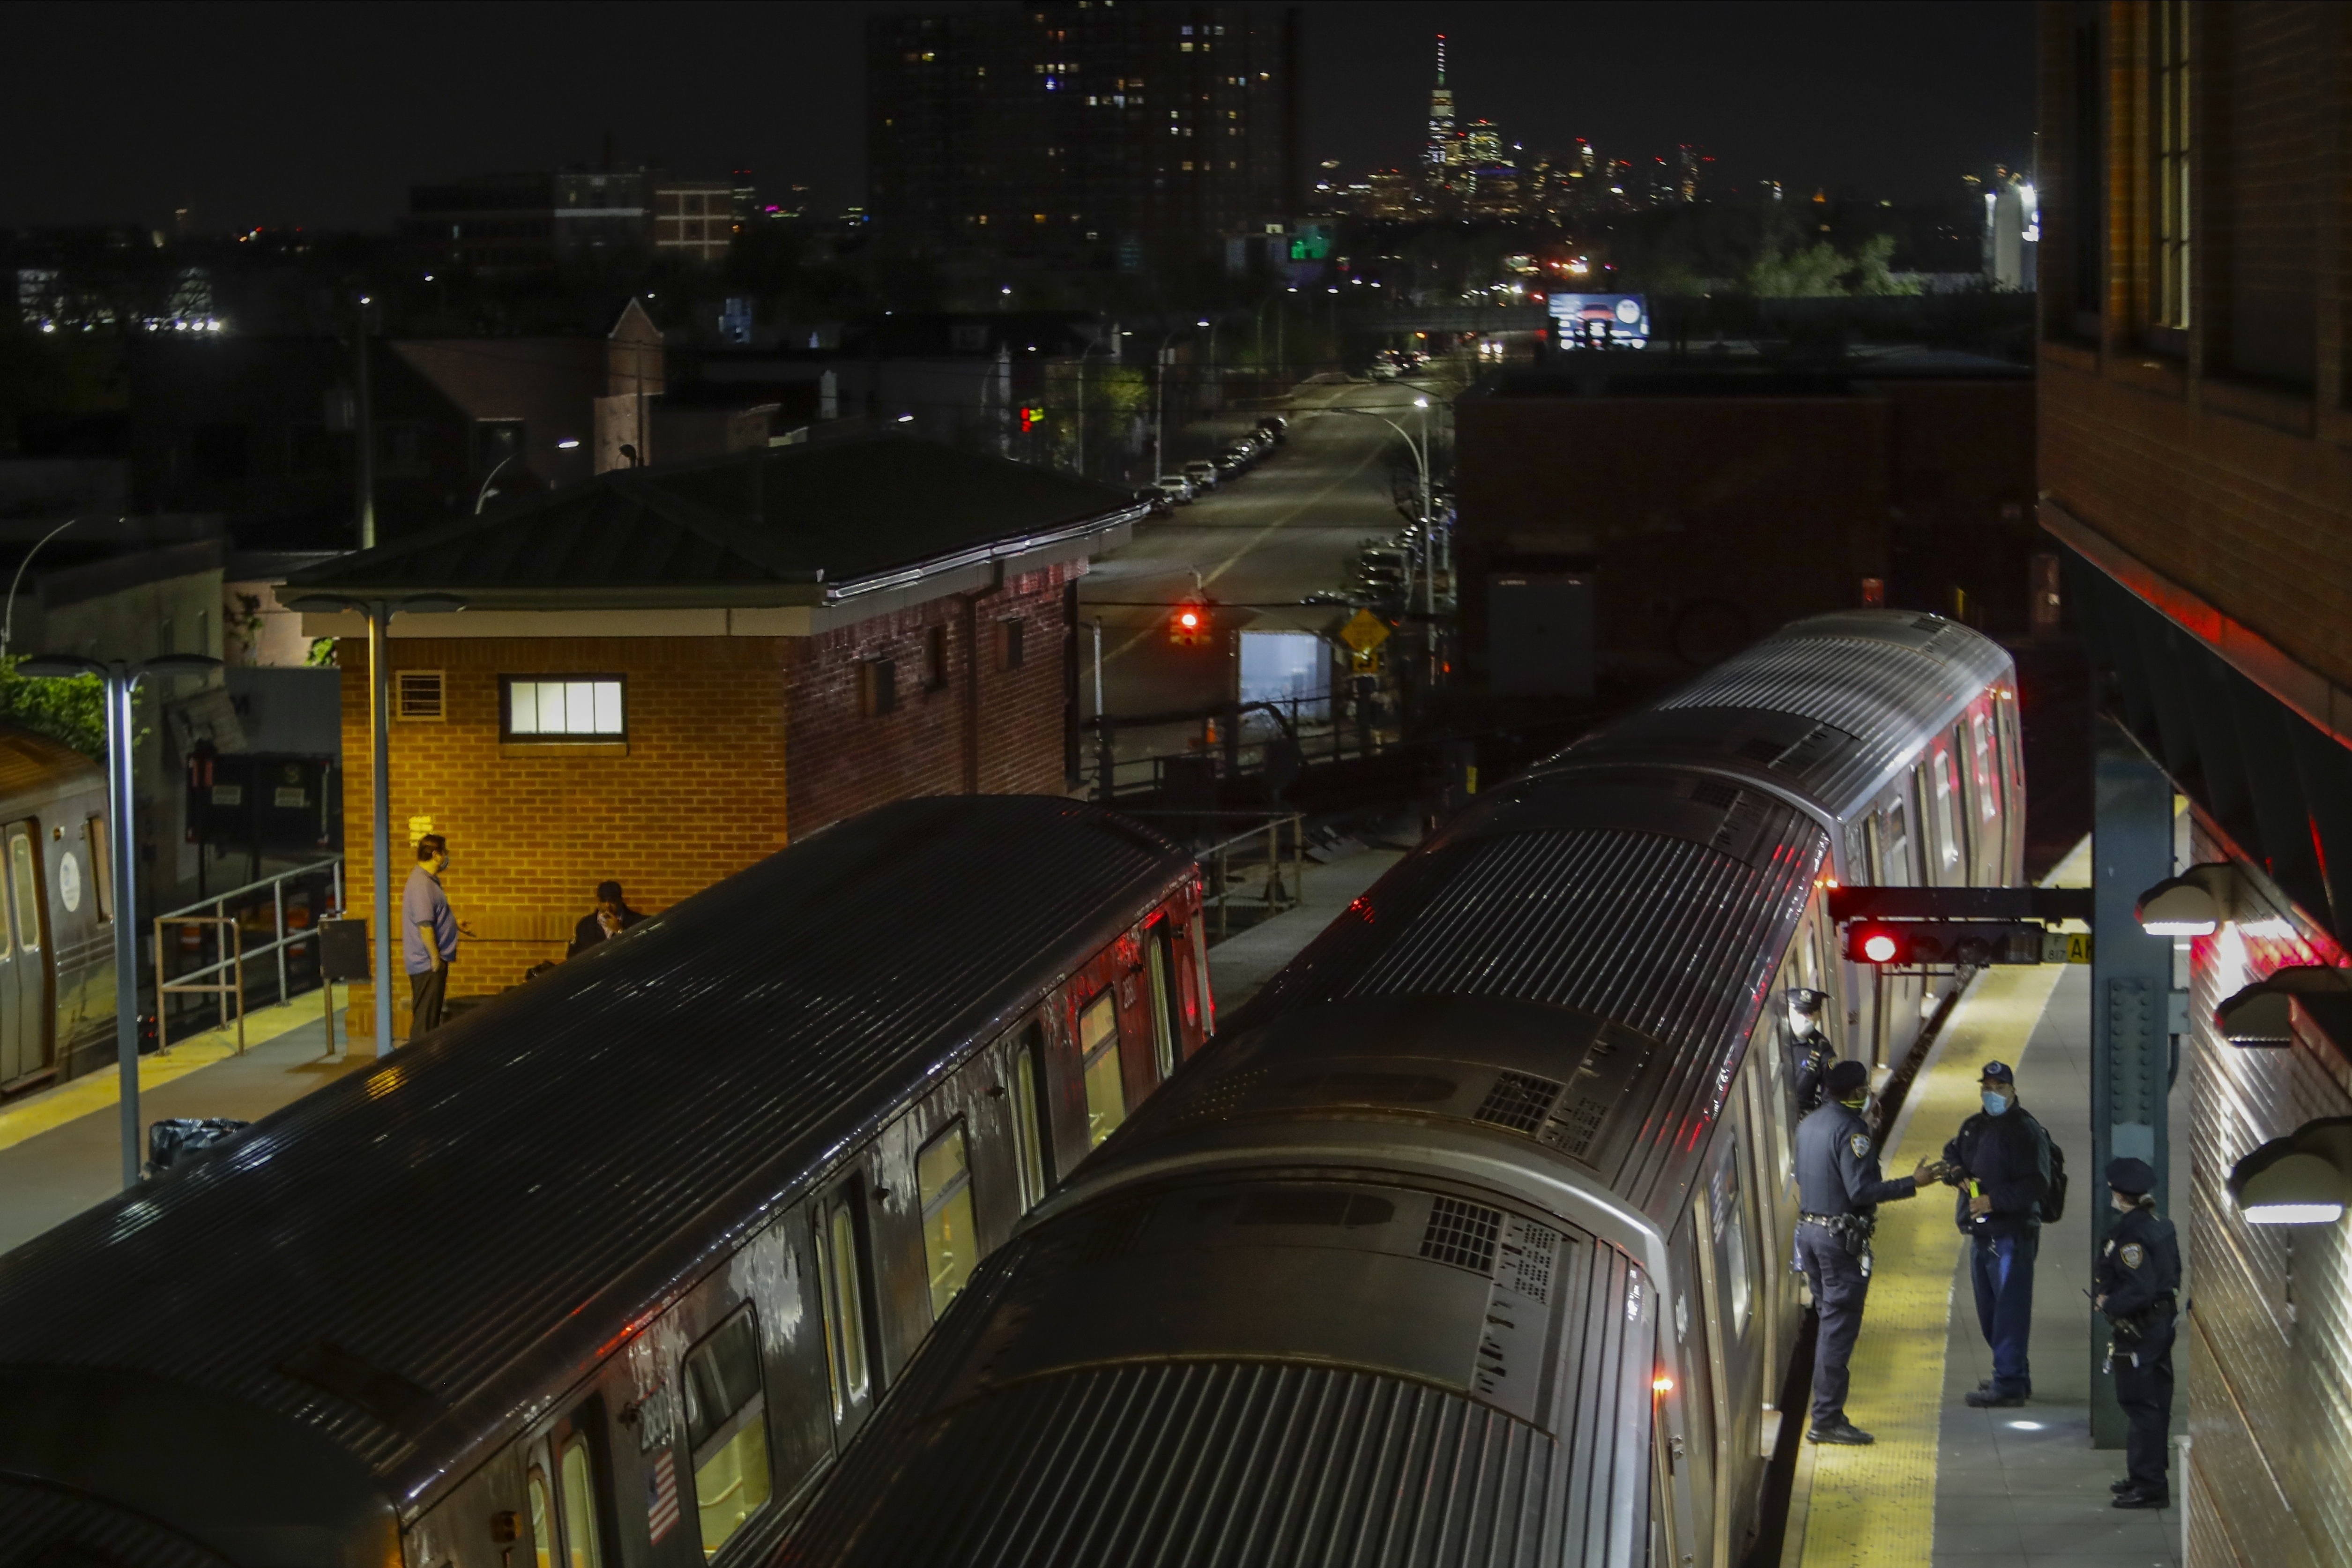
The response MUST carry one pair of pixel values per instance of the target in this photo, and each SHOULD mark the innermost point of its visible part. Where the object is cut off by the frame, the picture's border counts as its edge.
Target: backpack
(2053, 1197)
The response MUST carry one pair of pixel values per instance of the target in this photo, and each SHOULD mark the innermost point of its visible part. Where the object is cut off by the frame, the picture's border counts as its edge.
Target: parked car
(1176, 487)
(1232, 467)
(1381, 371)
(1203, 473)
(1156, 499)
(1274, 427)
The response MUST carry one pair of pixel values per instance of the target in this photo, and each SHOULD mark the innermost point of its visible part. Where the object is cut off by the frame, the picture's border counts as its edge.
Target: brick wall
(845, 761)
(733, 744)
(2236, 484)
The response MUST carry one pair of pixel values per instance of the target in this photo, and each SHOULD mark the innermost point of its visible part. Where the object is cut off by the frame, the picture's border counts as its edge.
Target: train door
(844, 1294)
(1033, 1124)
(1167, 1023)
(565, 1491)
(20, 1053)
(1988, 865)
(1692, 1452)
(2013, 793)
(1945, 841)
(34, 1016)
(1729, 1277)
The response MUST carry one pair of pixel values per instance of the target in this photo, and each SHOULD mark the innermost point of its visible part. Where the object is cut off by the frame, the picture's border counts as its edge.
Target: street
(1260, 544)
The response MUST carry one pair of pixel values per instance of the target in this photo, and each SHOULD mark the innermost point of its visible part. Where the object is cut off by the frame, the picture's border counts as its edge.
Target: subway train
(1468, 1240)
(603, 1274)
(56, 931)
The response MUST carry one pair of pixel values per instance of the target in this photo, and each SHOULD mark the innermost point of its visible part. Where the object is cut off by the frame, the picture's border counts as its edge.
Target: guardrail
(1245, 871)
(232, 917)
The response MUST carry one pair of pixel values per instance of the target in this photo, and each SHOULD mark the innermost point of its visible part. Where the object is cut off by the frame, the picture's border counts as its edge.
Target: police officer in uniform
(1810, 1054)
(1839, 1189)
(2137, 1274)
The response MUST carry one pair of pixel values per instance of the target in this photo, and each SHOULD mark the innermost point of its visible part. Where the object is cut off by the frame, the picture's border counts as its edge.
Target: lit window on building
(564, 707)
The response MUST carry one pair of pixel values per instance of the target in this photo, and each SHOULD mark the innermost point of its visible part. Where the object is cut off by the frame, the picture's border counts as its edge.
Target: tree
(71, 711)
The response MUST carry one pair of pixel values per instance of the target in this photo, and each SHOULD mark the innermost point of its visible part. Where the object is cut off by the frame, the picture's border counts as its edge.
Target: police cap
(2132, 1177)
(1845, 1078)
(1808, 1002)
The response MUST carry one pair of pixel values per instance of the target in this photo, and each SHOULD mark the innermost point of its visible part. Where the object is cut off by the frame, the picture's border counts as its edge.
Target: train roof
(1827, 707)
(428, 1244)
(35, 769)
(1640, 909)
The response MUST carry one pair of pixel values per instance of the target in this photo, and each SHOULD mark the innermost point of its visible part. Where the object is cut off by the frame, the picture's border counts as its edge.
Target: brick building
(2196, 458)
(1711, 503)
(663, 675)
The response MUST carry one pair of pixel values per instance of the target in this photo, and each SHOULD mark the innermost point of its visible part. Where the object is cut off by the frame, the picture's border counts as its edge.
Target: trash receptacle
(177, 1140)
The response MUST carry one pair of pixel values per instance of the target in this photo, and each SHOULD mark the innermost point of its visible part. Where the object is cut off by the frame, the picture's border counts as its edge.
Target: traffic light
(1032, 417)
(1187, 623)
(1913, 944)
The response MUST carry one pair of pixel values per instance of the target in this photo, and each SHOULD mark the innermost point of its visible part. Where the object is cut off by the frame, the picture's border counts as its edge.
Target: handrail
(210, 899)
(234, 953)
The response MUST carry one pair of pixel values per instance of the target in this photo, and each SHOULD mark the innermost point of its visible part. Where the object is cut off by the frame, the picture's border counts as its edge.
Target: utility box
(343, 951)
(1539, 633)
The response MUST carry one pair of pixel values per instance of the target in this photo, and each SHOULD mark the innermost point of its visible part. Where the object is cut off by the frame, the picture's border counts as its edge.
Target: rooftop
(806, 525)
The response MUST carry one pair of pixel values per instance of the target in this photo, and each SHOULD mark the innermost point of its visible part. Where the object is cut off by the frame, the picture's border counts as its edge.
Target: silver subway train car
(57, 930)
(602, 1274)
(1468, 1240)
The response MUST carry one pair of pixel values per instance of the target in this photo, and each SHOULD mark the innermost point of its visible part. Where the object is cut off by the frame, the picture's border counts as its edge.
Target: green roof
(784, 525)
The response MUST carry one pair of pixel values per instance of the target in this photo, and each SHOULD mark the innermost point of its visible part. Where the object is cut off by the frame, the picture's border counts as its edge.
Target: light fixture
(2193, 904)
(2264, 1013)
(567, 444)
(2298, 1180)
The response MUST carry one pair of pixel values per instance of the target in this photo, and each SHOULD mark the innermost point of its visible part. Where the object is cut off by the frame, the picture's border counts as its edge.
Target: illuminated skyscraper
(1442, 151)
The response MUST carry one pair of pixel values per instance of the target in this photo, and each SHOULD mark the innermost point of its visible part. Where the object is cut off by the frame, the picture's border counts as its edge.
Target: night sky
(323, 115)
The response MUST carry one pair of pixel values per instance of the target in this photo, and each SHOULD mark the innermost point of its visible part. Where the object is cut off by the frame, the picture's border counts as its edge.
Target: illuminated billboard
(1601, 320)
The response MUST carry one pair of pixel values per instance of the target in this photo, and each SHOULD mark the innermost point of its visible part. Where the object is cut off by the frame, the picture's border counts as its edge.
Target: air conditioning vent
(1462, 1234)
(1519, 1101)
(417, 693)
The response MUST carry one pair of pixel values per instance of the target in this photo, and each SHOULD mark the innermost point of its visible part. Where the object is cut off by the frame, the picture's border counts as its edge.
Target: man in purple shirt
(430, 935)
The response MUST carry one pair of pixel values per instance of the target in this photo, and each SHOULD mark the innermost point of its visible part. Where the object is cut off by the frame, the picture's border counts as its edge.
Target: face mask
(1800, 1025)
(1995, 1104)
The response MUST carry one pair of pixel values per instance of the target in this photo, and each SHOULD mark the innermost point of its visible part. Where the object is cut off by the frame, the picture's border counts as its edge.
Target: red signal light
(1878, 947)
(1877, 944)
(1188, 624)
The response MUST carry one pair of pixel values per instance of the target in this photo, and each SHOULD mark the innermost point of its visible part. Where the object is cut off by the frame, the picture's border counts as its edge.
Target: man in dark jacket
(2001, 1158)
(2137, 1274)
(1839, 1189)
(611, 916)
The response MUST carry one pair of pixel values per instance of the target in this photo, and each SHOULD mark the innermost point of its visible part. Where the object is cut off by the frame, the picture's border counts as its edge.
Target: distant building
(1443, 150)
(485, 222)
(665, 676)
(694, 220)
(602, 211)
(1081, 133)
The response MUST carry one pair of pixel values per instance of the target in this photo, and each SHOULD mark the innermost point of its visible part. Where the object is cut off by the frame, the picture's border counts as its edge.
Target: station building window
(563, 707)
(951, 1240)
(727, 1429)
(1099, 1054)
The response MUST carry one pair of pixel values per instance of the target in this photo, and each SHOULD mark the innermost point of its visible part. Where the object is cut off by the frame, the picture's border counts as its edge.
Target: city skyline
(245, 121)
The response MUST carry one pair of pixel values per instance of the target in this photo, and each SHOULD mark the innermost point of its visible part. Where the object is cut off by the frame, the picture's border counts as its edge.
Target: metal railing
(1247, 873)
(249, 927)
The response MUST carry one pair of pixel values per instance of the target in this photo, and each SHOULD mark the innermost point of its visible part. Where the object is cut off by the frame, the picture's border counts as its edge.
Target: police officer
(1810, 1053)
(2139, 1272)
(1839, 1189)
(2004, 1156)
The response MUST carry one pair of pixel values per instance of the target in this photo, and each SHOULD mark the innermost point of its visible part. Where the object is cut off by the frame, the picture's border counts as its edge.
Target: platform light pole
(378, 613)
(122, 677)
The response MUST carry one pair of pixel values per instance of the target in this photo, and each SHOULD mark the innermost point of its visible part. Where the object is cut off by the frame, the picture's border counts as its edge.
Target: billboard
(1601, 320)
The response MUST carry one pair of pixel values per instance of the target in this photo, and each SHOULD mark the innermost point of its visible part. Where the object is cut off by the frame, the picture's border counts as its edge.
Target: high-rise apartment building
(1081, 130)
(1442, 152)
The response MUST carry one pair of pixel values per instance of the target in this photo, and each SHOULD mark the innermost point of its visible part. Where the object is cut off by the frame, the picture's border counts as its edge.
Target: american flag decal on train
(661, 1495)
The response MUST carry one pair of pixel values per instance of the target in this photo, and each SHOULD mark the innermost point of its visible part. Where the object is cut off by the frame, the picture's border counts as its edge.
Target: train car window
(951, 1238)
(1028, 1121)
(1894, 840)
(543, 1521)
(583, 1544)
(844, 1305)
(28, 891)
(1098, 1058)
(727, 1429)
(101, 871)
(1163, 1014)
(1731, 1227)
(1951, 846)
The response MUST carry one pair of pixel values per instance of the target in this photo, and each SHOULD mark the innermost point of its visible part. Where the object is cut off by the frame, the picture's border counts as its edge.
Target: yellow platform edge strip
(1877, 1506)
(102, 1089)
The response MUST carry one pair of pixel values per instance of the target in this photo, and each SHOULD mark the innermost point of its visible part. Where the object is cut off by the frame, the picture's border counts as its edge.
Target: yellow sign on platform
(1364, 632)
(2066, 947)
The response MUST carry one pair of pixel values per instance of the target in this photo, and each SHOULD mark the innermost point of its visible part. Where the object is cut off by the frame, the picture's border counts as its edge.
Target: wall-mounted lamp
(2298, 1180)
(2263, 1012)
(2193, 904)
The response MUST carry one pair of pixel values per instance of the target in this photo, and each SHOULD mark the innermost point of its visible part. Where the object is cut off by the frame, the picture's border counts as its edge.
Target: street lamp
(1160, 401)
(8, 623)
(379, 614)
(122, 676)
